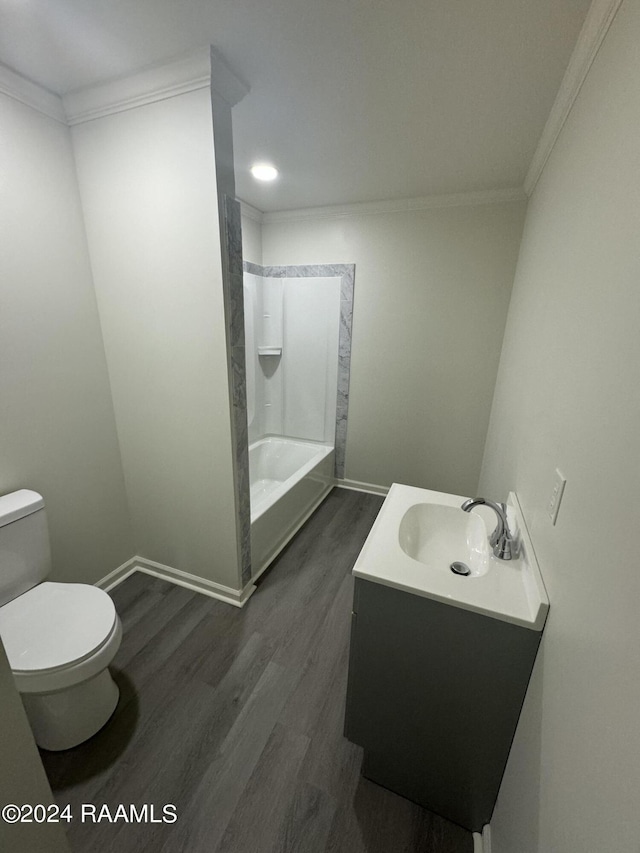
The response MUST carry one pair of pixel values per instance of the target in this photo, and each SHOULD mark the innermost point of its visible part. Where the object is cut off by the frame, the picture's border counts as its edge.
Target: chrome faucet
(502, 541)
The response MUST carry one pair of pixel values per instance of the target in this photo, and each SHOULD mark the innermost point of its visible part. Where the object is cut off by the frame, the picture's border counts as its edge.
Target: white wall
(148, 184)
(57, 428)
(431, 296)
(567, 396)
(251, 240)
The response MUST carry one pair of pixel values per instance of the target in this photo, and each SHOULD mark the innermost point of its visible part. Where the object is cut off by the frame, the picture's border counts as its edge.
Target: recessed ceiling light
(264, 172)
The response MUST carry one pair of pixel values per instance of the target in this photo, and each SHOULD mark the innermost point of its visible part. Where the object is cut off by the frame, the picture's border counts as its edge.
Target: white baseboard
(284, 542)
(482, 843)
(357, 486)
(117, 575)
(235, 597)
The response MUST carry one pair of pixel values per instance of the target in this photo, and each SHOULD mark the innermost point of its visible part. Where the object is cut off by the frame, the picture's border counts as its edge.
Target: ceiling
(352, 100)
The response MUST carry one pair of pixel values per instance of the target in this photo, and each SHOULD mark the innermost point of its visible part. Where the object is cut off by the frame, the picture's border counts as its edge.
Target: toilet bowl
(59, 637)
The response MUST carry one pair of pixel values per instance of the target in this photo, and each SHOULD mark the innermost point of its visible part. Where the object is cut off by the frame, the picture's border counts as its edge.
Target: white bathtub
(289, 479)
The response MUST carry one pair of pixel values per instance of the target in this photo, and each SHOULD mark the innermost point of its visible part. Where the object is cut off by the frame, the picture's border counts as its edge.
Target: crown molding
(371, 208)
(251, 212)
(599, 18)
(20, 89)
(155, 83)
(201, 70)
(224, 81)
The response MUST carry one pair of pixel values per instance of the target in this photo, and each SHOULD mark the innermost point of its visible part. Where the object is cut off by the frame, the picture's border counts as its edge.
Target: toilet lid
(55, 624)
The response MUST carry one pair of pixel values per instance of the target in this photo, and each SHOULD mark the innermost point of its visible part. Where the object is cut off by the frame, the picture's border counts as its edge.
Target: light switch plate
(556, 496)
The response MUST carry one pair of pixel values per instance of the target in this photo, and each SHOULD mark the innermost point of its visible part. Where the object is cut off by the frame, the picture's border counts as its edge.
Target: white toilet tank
(25, 556)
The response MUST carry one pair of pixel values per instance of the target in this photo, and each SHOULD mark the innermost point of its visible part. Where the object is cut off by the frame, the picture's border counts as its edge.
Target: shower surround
(346, 274)
(298, 354)
(302, 472)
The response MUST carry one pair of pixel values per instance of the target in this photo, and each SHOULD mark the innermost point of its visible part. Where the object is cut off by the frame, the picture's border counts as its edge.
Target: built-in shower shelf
(269, 350)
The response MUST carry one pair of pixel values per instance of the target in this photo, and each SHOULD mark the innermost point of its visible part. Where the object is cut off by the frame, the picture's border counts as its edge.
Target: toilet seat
(58, 634)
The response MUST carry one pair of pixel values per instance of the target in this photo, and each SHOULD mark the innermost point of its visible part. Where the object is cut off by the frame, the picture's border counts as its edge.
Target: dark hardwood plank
(147, 663)
(326, 659)
(333, 763)
(180, 784)
(223, 783)
(151, 624)
(256, 821)
(137, 586)
(326, 561)
(376, 821)
(211, 649)
(307, 822)
(157, 754)
(138, 609)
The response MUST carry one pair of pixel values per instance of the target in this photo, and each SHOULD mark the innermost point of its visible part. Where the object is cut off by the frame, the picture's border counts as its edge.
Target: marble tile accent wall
(346, 272)
(234, 318)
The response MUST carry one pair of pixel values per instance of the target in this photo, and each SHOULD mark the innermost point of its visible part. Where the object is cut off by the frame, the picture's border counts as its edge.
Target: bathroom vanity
(439, 663)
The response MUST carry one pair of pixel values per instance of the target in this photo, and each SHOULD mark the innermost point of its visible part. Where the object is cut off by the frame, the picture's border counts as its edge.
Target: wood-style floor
(235, 717)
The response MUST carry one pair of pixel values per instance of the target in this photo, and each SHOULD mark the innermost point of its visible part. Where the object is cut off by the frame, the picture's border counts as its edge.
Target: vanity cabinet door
(434, 695)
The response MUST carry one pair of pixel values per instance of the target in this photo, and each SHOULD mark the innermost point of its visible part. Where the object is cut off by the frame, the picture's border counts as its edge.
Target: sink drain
(460, 569)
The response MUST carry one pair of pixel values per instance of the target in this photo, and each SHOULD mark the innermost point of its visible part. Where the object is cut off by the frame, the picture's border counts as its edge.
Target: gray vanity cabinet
(434, 696)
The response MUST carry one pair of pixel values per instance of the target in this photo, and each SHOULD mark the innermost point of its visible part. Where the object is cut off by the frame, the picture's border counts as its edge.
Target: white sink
(438, 535)
(419, 533)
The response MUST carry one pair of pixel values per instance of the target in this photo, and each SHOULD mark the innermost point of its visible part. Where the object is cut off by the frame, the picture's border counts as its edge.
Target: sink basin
(419, 533)
(438, 535)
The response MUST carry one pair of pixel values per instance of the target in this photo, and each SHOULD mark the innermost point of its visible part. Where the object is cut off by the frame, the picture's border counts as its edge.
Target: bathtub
(289, 479)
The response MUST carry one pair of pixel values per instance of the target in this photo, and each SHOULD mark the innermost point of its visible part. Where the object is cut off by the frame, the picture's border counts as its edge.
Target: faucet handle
(505, 548)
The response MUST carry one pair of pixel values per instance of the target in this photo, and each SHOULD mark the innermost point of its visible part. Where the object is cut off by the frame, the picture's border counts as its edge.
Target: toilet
(59, 637)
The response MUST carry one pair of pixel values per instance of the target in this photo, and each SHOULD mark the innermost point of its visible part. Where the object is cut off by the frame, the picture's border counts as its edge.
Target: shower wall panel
(310, 357)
